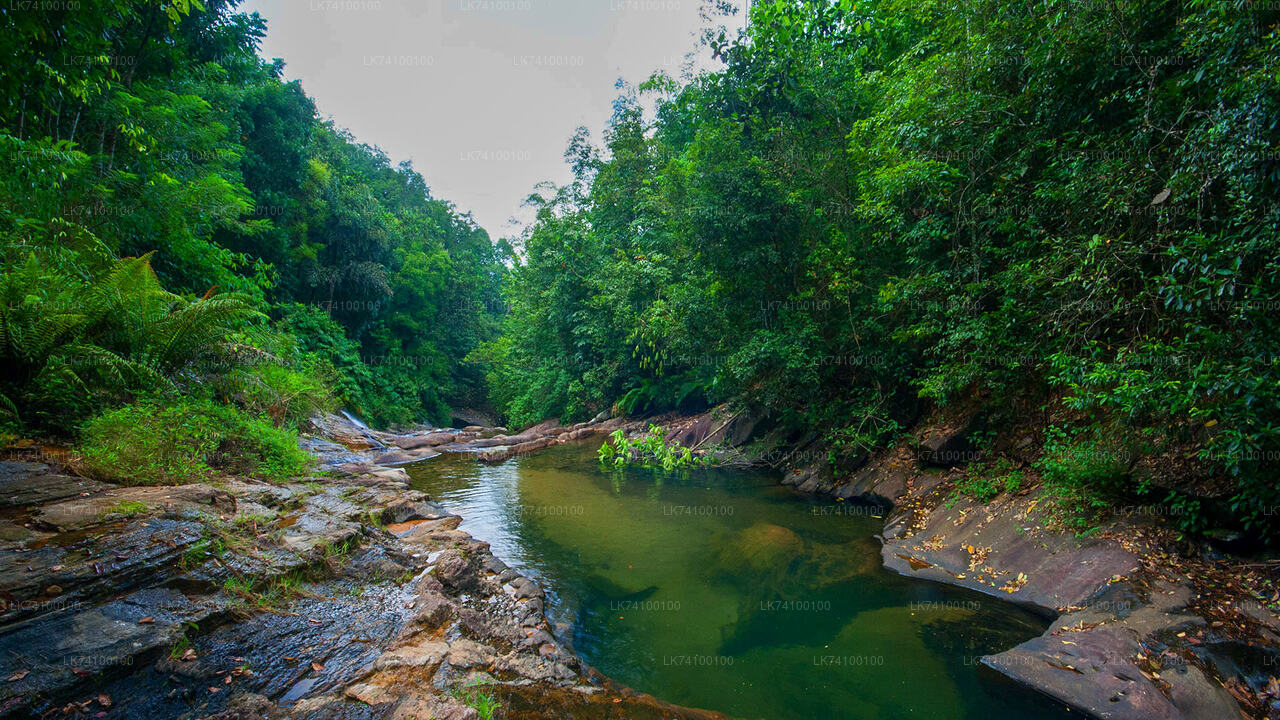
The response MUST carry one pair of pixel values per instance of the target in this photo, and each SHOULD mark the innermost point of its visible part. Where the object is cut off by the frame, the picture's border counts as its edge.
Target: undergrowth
(188, 441)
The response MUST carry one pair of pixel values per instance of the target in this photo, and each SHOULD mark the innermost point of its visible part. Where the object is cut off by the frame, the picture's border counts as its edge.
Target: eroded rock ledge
(344, 595)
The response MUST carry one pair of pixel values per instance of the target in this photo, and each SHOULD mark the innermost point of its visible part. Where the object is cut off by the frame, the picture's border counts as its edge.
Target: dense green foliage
(177, 222)
(984, 481)
(188, 442)
(873, 206)
(648, 450)
(881, 203)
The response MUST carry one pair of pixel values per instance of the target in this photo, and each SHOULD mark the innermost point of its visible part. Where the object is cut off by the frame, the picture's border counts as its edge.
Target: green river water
(723, 590)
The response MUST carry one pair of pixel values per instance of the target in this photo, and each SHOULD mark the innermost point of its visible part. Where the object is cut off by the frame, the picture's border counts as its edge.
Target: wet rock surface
(344, 595)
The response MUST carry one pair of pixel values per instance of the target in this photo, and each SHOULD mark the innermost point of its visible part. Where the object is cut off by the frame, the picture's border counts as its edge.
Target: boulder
(345, 432)
(949, 442)
(453, 570)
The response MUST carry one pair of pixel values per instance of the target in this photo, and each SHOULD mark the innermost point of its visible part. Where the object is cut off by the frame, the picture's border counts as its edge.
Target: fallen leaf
(148, 620)
(1162, 196)
(104, 700)
(313, 621)
(215, 690)
(189, 655)
(19, 675)
(227, 681)
(80, 672)
(317, 667)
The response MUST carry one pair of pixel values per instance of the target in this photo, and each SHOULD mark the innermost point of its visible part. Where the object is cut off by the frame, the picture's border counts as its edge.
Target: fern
(70, 346)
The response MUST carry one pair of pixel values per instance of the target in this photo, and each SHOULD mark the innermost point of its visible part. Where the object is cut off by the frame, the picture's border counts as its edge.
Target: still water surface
(723, 590)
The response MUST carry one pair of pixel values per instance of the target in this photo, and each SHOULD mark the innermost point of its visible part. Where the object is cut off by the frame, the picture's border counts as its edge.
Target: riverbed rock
(137, 583)
(405, 510)
(72, 646)
(760, 549)
(1099, 660)
(454, 570)
(884, 481)
(27, 483)
(999, 550)
(404, 457)
(341, 430)
(81, 512)
(413, 442)
(814, 477)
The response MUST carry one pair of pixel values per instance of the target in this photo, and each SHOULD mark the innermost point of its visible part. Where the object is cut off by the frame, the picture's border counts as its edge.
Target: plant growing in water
(649, 450)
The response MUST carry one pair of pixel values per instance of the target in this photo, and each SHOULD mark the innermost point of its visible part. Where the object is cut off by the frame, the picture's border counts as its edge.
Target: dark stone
(949, 443)
(25, 483)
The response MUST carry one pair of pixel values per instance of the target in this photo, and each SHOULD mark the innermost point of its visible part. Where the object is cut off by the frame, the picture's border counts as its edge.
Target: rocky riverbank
(342, 595)
(1147, 627)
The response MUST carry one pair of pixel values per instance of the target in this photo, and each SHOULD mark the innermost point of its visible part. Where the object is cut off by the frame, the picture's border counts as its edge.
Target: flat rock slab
(121, 502)
(25, 483)
(78, 645)
(996, 550)
(60, 575)
(310, 530)
(404, 457)
(328, 452)
(413, 442)
(1096, 671)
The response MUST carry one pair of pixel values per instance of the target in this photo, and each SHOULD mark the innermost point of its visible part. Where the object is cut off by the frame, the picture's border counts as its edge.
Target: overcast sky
(481, 95)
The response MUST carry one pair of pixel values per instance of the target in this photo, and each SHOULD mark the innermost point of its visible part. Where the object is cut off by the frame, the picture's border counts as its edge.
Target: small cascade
(354, 420)
(364, 429)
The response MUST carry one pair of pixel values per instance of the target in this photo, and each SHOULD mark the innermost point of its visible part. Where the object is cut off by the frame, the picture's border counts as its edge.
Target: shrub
(287, 395)
(650, 450)
(1081, 476)
(70, 347)
(473, 696)
(187, 441)
(984, 482)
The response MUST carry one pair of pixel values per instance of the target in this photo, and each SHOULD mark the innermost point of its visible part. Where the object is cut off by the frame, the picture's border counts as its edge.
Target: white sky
(481, 95)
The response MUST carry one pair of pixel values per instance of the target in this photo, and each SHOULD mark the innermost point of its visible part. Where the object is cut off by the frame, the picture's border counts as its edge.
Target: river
(724, 590)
